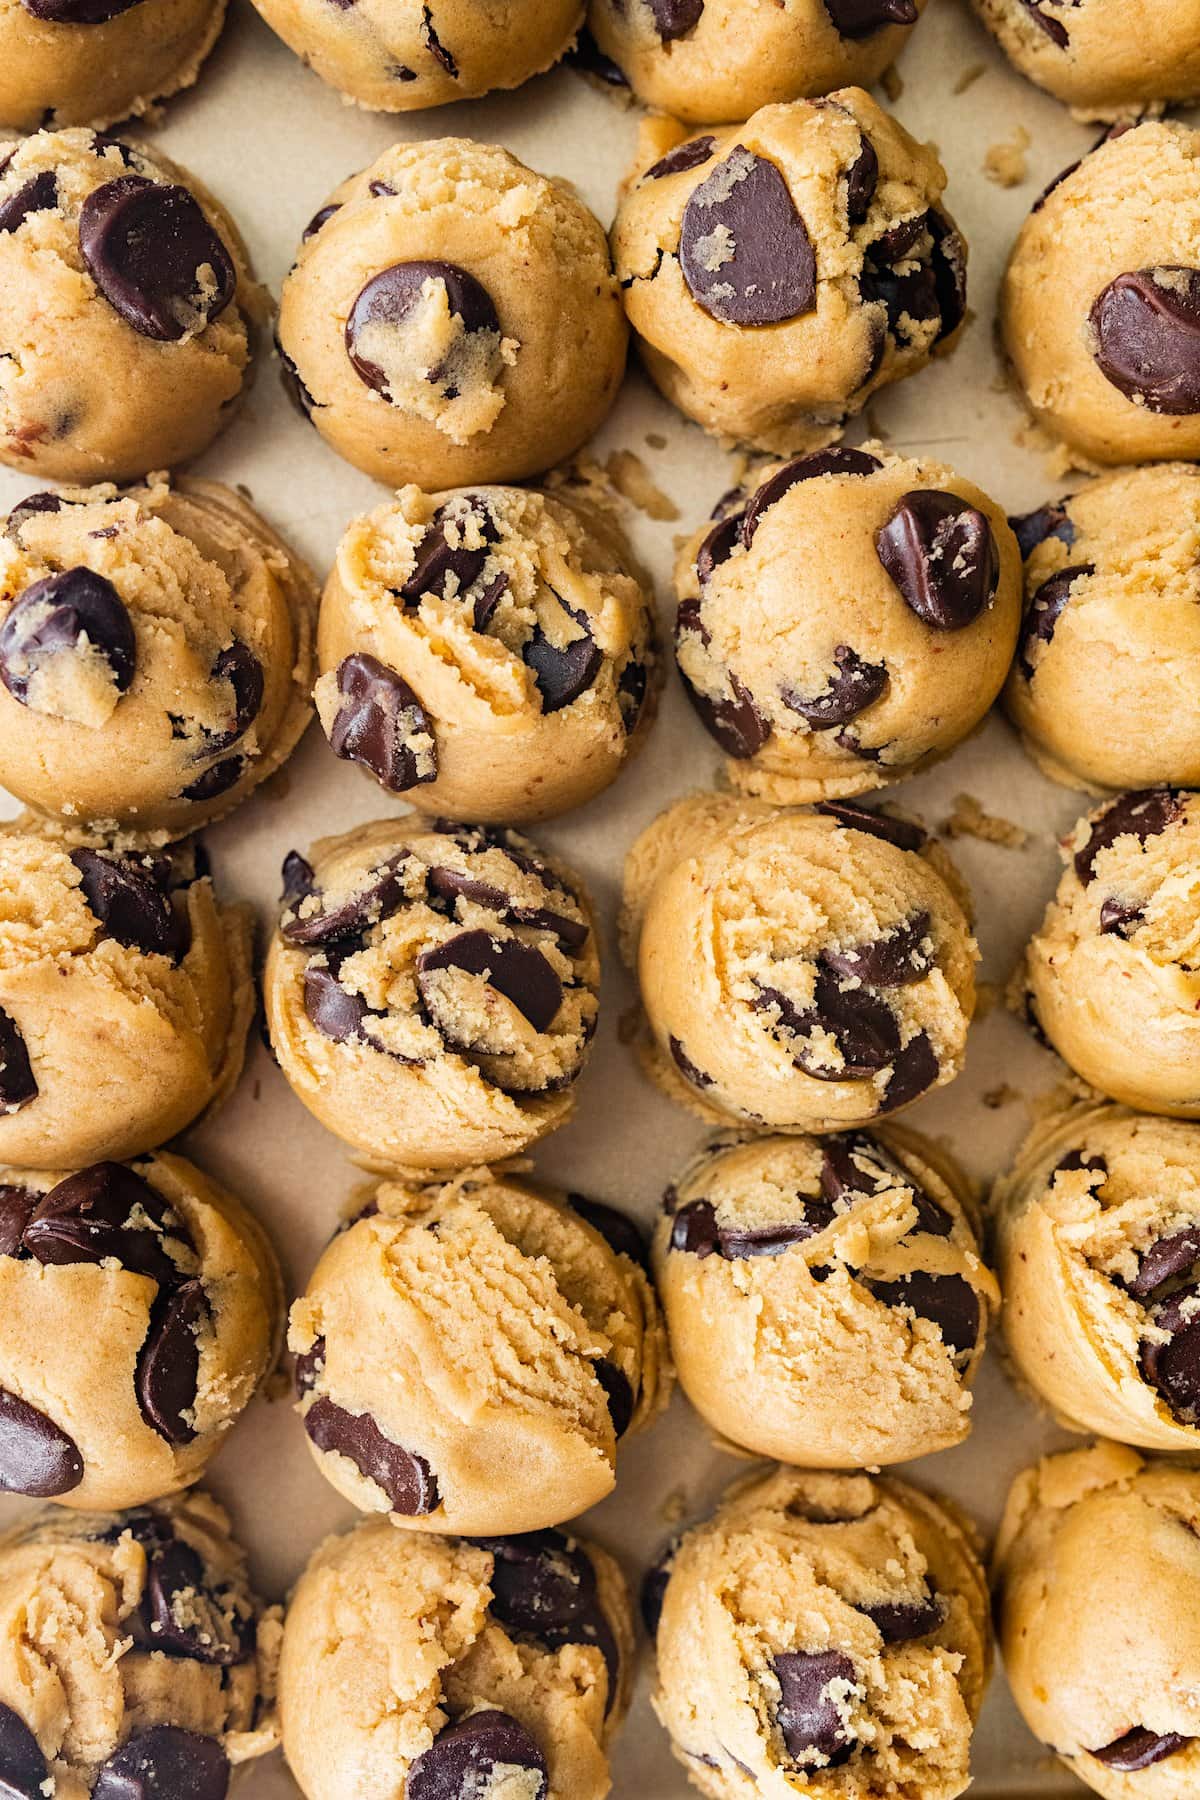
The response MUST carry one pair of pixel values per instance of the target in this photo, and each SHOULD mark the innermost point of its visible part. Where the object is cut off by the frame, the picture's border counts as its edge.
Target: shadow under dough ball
(778, 273)
(827, 660)
(126, 309)
(1098, 55)
(452, 317)
(1100, 303)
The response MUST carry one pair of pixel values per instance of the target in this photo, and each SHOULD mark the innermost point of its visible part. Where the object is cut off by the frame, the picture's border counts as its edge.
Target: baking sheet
(272, 141)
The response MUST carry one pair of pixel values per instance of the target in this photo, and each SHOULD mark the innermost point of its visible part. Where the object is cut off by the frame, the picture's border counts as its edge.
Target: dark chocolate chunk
(73, 612)
(1120, 918)
(900, 1621)
(215, 781)
(901, 832)
(168, 1365)
(842, 1174)
(154, 256)
(37, 1457)
(24, 1771)
(238, 665)
(835, 461)
(675, 18)
(512, 968)
(165, 1763)
(318, 219)
(935, 288)
(1143, 813)
(450, 884)
(103, 1213)
(294, 384)
(941, 554)
(1146, 326)
(687, 1068)
(862, 178)
(38, 194)
(562, 673)
(1166, 1260)
(460, 1762)
(717, 547)
(949, 272)
(862, 1026)
(744, 250)
(203, 1628)
(131, 906)
(1172, 1367)
(734, 721)
(691, 155)
(377, 723)
(913, 1072)
(1054, 28)
(1075, 1159)
(544, 1587)
(891, 961)
(382, 894)
(1033, 528)
(1140, 1749)
(406, 1478)
(334, 1010)
(860, 18)
(30, 508)
(309, 1365)
(17, 1084)
(79, 12)
(436, 560)
(587, 58)
(389, 297)
(488, 599)
(949, 1301)
(1044, 611)
(809, 1716)
(695, 1229)
(615, 1227)
(632, 686)
(435, 46)
(618, 1395)
(298, 879)
(653, 1591)
(16, 1209)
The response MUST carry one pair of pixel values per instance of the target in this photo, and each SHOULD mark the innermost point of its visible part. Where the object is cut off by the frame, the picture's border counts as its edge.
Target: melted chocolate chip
(131, 906)
(860, 18)
(744, 250)
(17, 1084)
(38, 194)
(563, 673)
(1033, 528)
(238, 665)
(862, 1026)
(512, 968)
(942, 555)
(901, 832)
(389, 297)
(436, 560)
(835, 461)
(24, 1771)
(1146, 326)
(459, 1764)
(405, 1477)
(165, 1763)
(107, 1213)
(544, 1587)
(1044, 611)
(168, 1365)
(615, 1227)
(949, 1301)
(1172, 1367)
(382, 894)
(914, 1071)
(691, 155)
(809, 1716)
(675, 18)
(687, 1068)
(201, 1628)
(1140, 1749)
(154, 256)
(901, 1621)
(1166, 1260)
(74, 612)
(1144, 813)
(37, 1457)
(382, 725)
(1120, 918)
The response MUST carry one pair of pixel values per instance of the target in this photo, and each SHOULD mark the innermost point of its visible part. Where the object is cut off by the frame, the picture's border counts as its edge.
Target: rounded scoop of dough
(1097, 55)
(76, 69)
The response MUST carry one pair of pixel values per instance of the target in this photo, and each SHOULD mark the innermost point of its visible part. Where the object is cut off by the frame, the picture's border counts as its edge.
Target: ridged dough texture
(58, 74)
(1107, 59)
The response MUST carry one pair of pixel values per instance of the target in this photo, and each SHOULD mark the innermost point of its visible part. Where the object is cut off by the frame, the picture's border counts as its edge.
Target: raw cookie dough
(779, 272)
(1098, 1615)
(489, 653)
(715, 61)
(1113, 974)
(432, 991)
(135, 1662)
(125, 310)
(1098, 1239)
(401, 55)
(803, 970)
(452, 317)
(156, 653)
(846, 621)
(125, 996)
(825, 1635)
(826, 1300)
(184, 1307)
(469, 1354)
(1103, 687)
(1100, 304)
(91, 62)
(1105, 58)
(421, 1667)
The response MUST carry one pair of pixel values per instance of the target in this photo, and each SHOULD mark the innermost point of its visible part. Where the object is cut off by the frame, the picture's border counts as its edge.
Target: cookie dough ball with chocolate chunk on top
(1100, 305)
(1113, 973)
(824, 1634)
(184, 1303)
(1099, 55)
(444, 1666)
(489, 653)
(432, 991)
(710, 62)
(156, 653)
(452, 317)
(135, 1658)
(126, 310)
(1099, 1556)
(829, 658)
(125, 995)
(808, 971)
(826, 1300)
(1102, 686)
(470, 1353)
(780, 272)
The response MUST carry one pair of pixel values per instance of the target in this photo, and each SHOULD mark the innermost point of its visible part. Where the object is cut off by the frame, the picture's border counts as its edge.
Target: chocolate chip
(863, 1028)
(856, 686)
(294, 384)
(587, 58)
(382, 726)
(75, 612)
(618, 1395)
(215, 781)
(1120, 918)
(238, 665)
(436, 560)
(949, 272)
(165, 1763)
(337, 1014)
(675, 18)
(901, 1621)
(17, 1085)
(1166, 1260)
(79, 12)
(563, 673)
(31, 507)
(512, 968)
(1143, 813)
(1172, 1367)
(692, 155)
(809, 1716)
(935, 288)
(1076, 1159)
(383, 893)
(842, 1174)
(389, 297)
(488, 599)
(16, 1208)
(452, 884)
(298, 879)
(1044, 610)
(695, 1229)
(460, 1762)
(744, 250)
(862, 178)
(616, 1228)
(436, 48)
(891, 961)
(38, 194)
(1140, 1749)
(202, 1628)
(1054, 28)
(942, 555)
(168, 1365)
(405, 1477)
(544, 1587)
(318, 219)
(717, 547)
(129, 903)
(734, 721)
(835, 461)
(154, 256)
(1147, 337)
(309, 1366)
(24, 1771)
(913, 1072)
(653, 1590)
(901, 832)
(632, 686)
(107, 1213)
(859, 18)
(949, 1301)
(36, 1456)
(1033, 528)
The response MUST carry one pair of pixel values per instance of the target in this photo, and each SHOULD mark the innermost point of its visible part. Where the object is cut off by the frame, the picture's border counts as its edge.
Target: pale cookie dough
(846, 621)
(1100, 304)
(135, 1661)
(452, 317)
(1098, 1614)
(156, 653)
(184, 1307)
(125, 996)
(402, 55)
(1105, 58)
(709, 62)
(825, 1635)
(1102, 689)
(803, 970)
(92, 62)
(1113, 973)
(432, 991)
(126, 306)
(826, 1299)
(436, 1668)
(470, 1353)
(779, 272)
(489, 653)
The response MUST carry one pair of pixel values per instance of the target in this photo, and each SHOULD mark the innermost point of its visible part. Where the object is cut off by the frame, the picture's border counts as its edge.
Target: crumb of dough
(968, 819)
(1006, 163)
(655, 440)
(1004, 1095)
(969, 76)
(892, 83)
(631, 478)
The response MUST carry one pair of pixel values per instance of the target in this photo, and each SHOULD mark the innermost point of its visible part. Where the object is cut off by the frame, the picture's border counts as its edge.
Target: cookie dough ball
(452, 317)
(469, 1353)
(829, 659)
(156, 653)
(432, 991)
(1102, 686)
(1100, 304)
(426, 1666)
(826, 1634)
(490, 654)
(1098, 1614)
(826, 1301)
(91, 62)
(134, 1657)
(804, 970)
(1112, 973)
(125, 996)
(125, 310)
(1098, 55)
(778, 273)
